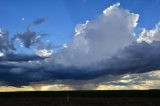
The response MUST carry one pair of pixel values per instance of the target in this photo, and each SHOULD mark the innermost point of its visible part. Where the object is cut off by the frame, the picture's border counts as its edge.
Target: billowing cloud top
(101, 38)
(101, 47)
(150, 36)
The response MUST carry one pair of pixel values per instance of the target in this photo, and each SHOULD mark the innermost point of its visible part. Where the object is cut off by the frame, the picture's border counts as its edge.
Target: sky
(63, 14)
(79, 44)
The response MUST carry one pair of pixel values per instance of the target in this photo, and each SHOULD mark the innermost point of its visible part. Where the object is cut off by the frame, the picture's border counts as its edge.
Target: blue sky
(63, 15)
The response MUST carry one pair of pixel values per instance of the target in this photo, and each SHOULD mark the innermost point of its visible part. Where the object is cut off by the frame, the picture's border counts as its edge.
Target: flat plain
(81, 98)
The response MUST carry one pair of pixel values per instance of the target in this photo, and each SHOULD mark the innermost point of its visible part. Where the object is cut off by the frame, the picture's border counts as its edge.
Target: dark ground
(81, 98)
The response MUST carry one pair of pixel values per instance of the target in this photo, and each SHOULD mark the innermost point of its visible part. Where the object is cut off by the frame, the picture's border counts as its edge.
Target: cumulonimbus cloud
(101, 47)
(100, 38)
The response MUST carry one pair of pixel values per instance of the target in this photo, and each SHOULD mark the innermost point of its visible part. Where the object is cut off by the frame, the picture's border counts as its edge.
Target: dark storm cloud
(5, 43)
(20, 58)
(137, 58)
(28, 38)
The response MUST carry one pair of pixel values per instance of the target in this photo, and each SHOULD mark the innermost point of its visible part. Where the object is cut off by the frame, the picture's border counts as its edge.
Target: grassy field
(81, 98)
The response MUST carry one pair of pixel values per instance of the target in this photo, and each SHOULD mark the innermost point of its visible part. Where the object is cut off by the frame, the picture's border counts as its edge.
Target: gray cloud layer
(138, 58)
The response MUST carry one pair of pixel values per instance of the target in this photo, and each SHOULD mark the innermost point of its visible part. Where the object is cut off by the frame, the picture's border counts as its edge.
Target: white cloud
(44, 52)
(80, 28)
(100, 38)
(150, 35)
(65, 45)
(2, 54)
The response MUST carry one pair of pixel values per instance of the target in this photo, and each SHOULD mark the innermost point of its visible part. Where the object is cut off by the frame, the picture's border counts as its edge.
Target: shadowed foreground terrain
(81, 98)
